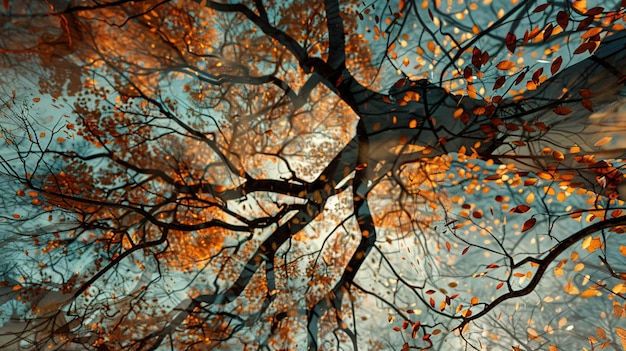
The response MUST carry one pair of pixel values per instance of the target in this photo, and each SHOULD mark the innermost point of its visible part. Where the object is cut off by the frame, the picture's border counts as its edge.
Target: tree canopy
(321, 175)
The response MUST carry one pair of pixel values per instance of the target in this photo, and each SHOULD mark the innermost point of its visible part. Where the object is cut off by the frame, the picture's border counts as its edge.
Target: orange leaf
(505, 65)
(591, 32)
(622, 336)
(603, 141)
(558, 155)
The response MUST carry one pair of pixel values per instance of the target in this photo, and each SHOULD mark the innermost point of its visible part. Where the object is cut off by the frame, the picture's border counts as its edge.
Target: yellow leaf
(580, 5)
(591, 244)
(619, 289)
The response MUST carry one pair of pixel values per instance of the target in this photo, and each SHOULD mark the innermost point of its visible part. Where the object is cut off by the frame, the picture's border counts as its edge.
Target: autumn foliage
(384, 175)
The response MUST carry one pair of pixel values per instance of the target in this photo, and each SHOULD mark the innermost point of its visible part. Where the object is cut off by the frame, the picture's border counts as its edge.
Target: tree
(280, 175)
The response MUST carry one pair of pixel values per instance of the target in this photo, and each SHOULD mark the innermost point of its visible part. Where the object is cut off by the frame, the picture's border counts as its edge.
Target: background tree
(270, 175)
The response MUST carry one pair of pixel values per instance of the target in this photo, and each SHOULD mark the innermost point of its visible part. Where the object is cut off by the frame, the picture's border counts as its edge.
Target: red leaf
(548, 31)
(585, 93)
(537, 75)
(562, 18)
(585, 23)
(529, 224)
(520, 77)
(499, 82)
(594, 11)
(541, 8)
(432, 302)
(339, 81)
(416, 328)
(511, 42)
(400, 83)
(520, 209)
(477, 58)
(499, 286)
(464, 250)
(588, 46)
(493, 265)
(562, 110)
(467, 72)
(556, 65)
(587, 104)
